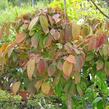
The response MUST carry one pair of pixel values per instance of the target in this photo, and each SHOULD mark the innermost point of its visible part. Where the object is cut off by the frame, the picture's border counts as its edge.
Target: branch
(99, 9)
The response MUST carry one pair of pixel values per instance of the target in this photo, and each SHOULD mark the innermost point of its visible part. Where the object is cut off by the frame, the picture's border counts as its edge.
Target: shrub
(57, 57)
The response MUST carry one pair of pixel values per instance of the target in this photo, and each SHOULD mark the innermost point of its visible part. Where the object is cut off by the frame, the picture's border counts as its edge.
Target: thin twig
(99, 9)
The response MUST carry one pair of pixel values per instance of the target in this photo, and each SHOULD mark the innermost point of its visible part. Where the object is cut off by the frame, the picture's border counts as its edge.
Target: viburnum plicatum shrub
(57, 57)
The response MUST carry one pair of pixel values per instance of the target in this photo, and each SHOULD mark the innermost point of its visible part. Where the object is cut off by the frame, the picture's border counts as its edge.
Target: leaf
(34, 42)
(15, 87)
(71, 59)
(97, 100)
(42, 66)
(67, 69)
(51, 69)
(33, 22)
(56, 18)
(77, 77)
(30, 68)
(75, 31)
(68, 33)
(99, 65)
(92, 43)
(55, 34)
(1, 34)
(50, 20)
(106, 68)
(79, 63)
(59, 65)
(44, 23)
(38, 85)
(20, 37)
(24, 94)
(101, 39)
(45, 88)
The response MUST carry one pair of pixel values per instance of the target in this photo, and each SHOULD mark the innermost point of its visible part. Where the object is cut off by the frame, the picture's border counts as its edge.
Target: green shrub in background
(81, 9)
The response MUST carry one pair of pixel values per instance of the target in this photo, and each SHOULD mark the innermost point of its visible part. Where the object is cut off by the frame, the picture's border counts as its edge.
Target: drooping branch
(99, 9)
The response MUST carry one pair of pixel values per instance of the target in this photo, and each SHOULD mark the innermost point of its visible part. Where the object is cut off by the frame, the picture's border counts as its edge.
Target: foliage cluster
(57, 57)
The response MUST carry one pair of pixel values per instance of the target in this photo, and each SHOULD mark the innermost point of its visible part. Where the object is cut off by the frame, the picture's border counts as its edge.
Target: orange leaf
(30, 68)
(15, 87)
(67, 69)
(20, 37)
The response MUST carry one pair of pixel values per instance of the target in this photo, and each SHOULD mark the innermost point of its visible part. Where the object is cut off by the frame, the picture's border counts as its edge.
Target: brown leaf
(50, 20)
(79, 63)
(15, 87)
(71, 59)
(99, 65)
(45, 88)
(44, 23)
(56, 18)
(33, 22)
(20, 37)
(51, 69)
(68, 33)
(42, 66)
(30, 68)
(38, 85)
(55, 34)
(34, 42)
(67, 69)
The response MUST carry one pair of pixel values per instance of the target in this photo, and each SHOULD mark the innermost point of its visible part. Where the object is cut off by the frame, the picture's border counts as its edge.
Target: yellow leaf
(44, 23)
(30, 68)
(67, 69)
(15, 87)
(45, 88)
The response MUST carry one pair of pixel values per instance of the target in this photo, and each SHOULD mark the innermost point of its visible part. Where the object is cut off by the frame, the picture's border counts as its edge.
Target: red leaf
(101, 39)
(42, 66)
(92, 43)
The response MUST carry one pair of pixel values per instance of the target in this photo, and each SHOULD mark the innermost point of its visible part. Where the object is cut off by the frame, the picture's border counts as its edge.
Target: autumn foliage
(50, 51)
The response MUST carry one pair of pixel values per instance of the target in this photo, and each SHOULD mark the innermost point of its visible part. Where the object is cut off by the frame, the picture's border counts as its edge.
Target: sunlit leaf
(33, 22)
(44, 23)
(45, 88)
(30, 68)
(67, 69)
